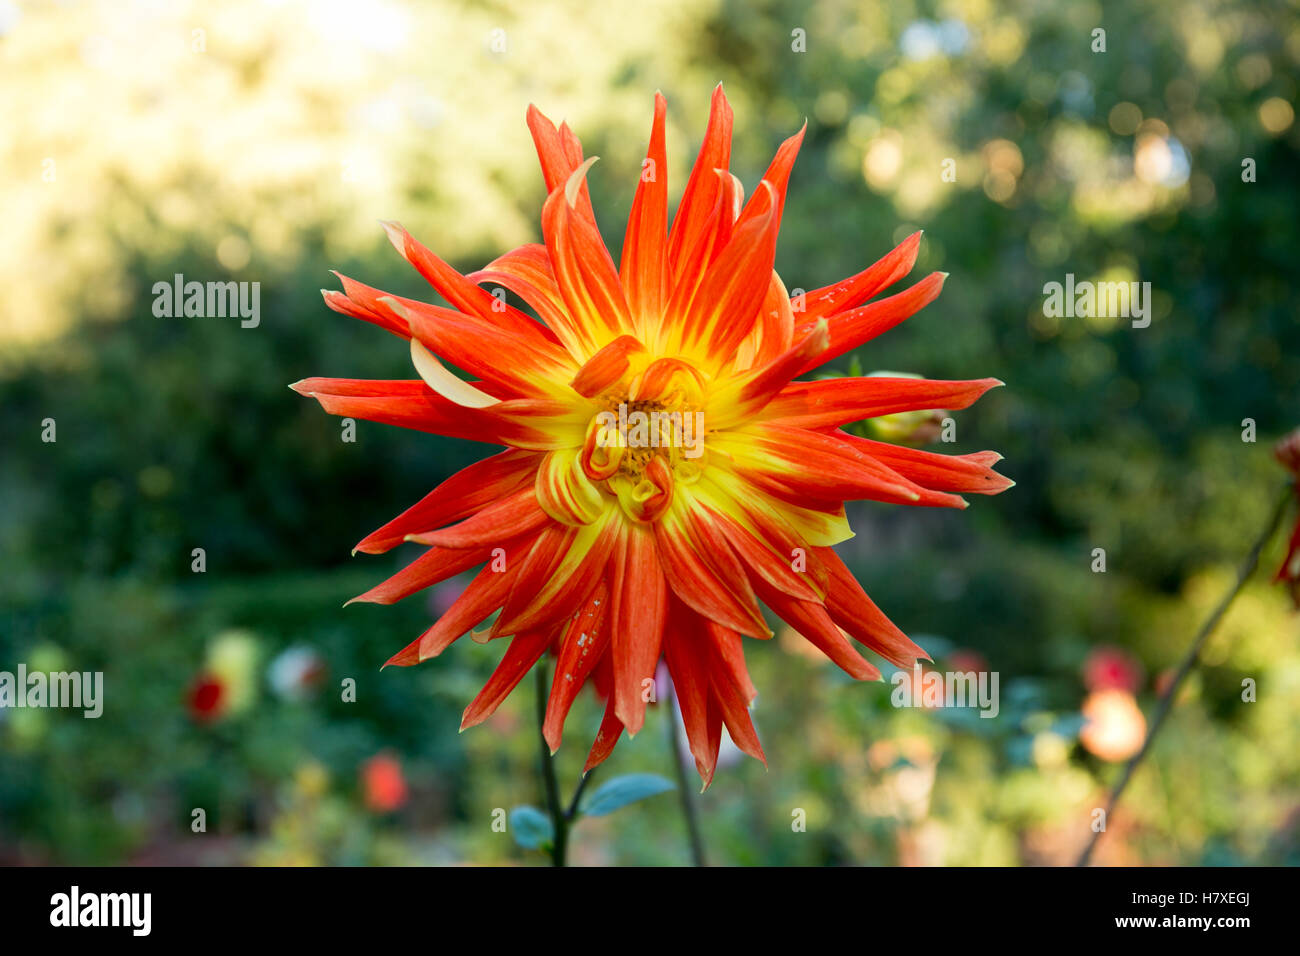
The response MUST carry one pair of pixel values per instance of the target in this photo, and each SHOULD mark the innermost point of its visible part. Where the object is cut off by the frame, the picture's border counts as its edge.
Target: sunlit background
(262, 141)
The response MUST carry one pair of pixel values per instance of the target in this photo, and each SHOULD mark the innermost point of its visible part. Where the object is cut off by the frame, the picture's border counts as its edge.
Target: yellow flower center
(648, 436)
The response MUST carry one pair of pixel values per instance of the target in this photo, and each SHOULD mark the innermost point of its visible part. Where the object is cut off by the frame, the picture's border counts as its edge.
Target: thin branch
(1166, 702)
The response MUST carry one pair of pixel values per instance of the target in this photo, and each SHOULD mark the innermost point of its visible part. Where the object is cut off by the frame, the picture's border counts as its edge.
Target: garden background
(261, 141)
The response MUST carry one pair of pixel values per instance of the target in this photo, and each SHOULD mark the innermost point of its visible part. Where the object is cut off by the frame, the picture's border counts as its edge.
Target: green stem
(1166, 702)
(550, 785)
(684, 786)
(572, 813)
(562, 819)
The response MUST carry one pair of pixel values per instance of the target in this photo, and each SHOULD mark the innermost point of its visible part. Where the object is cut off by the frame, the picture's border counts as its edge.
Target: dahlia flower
(663, 473)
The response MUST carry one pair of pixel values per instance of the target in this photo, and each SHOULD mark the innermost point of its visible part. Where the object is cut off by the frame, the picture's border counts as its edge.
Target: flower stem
(550, 786)
(684, 785)
(562, 819)
(1166, 702)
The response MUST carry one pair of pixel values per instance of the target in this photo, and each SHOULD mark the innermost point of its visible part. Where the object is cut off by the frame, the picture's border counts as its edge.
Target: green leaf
(531, 828)
(623, 790)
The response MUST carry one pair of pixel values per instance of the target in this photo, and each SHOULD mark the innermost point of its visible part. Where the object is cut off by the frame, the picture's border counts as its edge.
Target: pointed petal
(745, 395)
(435, 565)
(733, 289)
(833, 402)
(514, 515)
(727, 654)
(703, 187)
(481, 348)
(586, 638)
(610, 730)
(559, 154)
(484, 595)
(407, 404)
(523, 652)
(584, 271)
(342, 304)
(559, 575)
(463, 294)
(848, 330)
(643, 270)
(640, 601)
(527, 273)
(966, 474)
(464, 493)
(693, 582)
(851, 609)
(775, 458)
(778, 174)
(688, 668)
(810, 619)
(833, 299)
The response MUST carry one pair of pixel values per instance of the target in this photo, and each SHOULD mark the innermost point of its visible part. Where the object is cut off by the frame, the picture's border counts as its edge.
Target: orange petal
(966, 474)
(459, 496)
(559, 154)
(585, 641)
(833, 402)
(726, 307)
(832, 299)
(511, 516)
(611, 728)
(643, 269)
(693, 581)
(703, 188)
(519, 658)
(462, 293)
(584, 272)
(688, 668)
(640, 600)
(852, 610)
(810, 619)
(558, 575)
(607, 367)
(848, 330)
(435, 565)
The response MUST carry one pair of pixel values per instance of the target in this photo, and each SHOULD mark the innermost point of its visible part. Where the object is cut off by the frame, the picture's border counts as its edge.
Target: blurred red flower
(383, 784)
(1287, 453)
(1112, 668)
(207, 698)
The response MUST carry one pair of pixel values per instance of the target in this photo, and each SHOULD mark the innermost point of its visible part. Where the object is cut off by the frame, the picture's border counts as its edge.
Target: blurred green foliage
(263, 147)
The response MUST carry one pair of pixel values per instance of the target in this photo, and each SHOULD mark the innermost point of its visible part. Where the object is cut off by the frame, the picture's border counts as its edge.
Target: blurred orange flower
(1114, 727)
